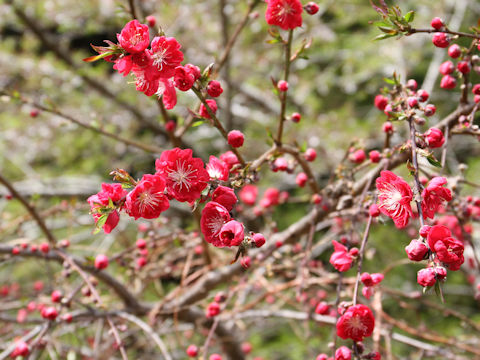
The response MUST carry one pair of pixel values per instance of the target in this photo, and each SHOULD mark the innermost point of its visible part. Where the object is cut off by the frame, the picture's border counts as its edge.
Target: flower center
(136, 39)
(147, 200)
(182, 175)
(159, 58)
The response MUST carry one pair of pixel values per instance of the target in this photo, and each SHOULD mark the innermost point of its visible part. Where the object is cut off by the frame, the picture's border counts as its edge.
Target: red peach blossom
(434, 195)
(356, 323)
(214, 216)
(231, 233)
(185, 175)
(284, 13)
(147, 199)
(217, 169)
(225, 196)
(394, 196)
(341, 259)
(134, 37)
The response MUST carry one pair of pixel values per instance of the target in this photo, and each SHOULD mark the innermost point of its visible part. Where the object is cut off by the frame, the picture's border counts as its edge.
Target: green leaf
(303, 148)
(382, 23)
(431, 159)
(384, 36)
(388, 30)
(100, 222)
(409, 16)
(389, 81)
(198, 123)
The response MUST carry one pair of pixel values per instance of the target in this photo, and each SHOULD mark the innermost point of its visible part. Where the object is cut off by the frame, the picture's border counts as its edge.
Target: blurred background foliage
(333, 90)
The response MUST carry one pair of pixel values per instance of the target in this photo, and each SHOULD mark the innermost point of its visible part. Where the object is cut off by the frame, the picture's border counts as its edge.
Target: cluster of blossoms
(395, 197)
(436, 242)
(182, 177)
(156, 65)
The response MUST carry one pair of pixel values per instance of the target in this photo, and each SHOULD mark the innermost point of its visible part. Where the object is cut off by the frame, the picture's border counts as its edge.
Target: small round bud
(151, 20)
(373, 210)
(296, 117)
(316, 199)
(437, 23)
(446, 68)
(44, 247)
(387, 127)
(141, 243)
(282, 85)
(34, 113)
(56, 296)
(358, 156)
(412, 101)
(258, 239)
(448, 82)
(301, 179)
(235, 138)
(214, 89)
(245, 262)
(310, 154)
(454, 51)
(192, 351)
(463, 67)
(380, 102)
(101, 262)
(430, 110)
(311, 8)
(374, 156)
(440, 40)
(422, 95)
(412, 84)
(170, 125)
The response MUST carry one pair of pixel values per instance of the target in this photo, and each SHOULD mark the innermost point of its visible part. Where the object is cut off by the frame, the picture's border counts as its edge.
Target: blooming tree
(209, 254)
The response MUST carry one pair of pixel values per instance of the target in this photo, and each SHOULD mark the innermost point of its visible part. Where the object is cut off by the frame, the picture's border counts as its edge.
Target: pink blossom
(147, 199)
(426, 277)
(343, 353)
(416, 250)
(340, 259)
(394, 196)
(214, 216)
(184, 78)
(284, 13)
(166, 55)
(434, 195)
(230, 159)
(231, 234)
(217, 169)
(356, 323)
(115, 193)
(434, 138)
(225, 196)
(448, 249)
(185, 175)
(134, 37)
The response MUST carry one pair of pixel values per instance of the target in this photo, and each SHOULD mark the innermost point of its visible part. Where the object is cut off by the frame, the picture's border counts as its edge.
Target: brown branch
(283, 94)
(33, 212)
(98, 130)
(446, 31)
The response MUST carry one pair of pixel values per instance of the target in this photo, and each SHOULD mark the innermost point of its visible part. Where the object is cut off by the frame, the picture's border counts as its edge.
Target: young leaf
(409, 16)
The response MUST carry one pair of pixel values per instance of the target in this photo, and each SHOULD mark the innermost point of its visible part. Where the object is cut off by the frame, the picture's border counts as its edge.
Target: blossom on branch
(284, 13)
(394, 197)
